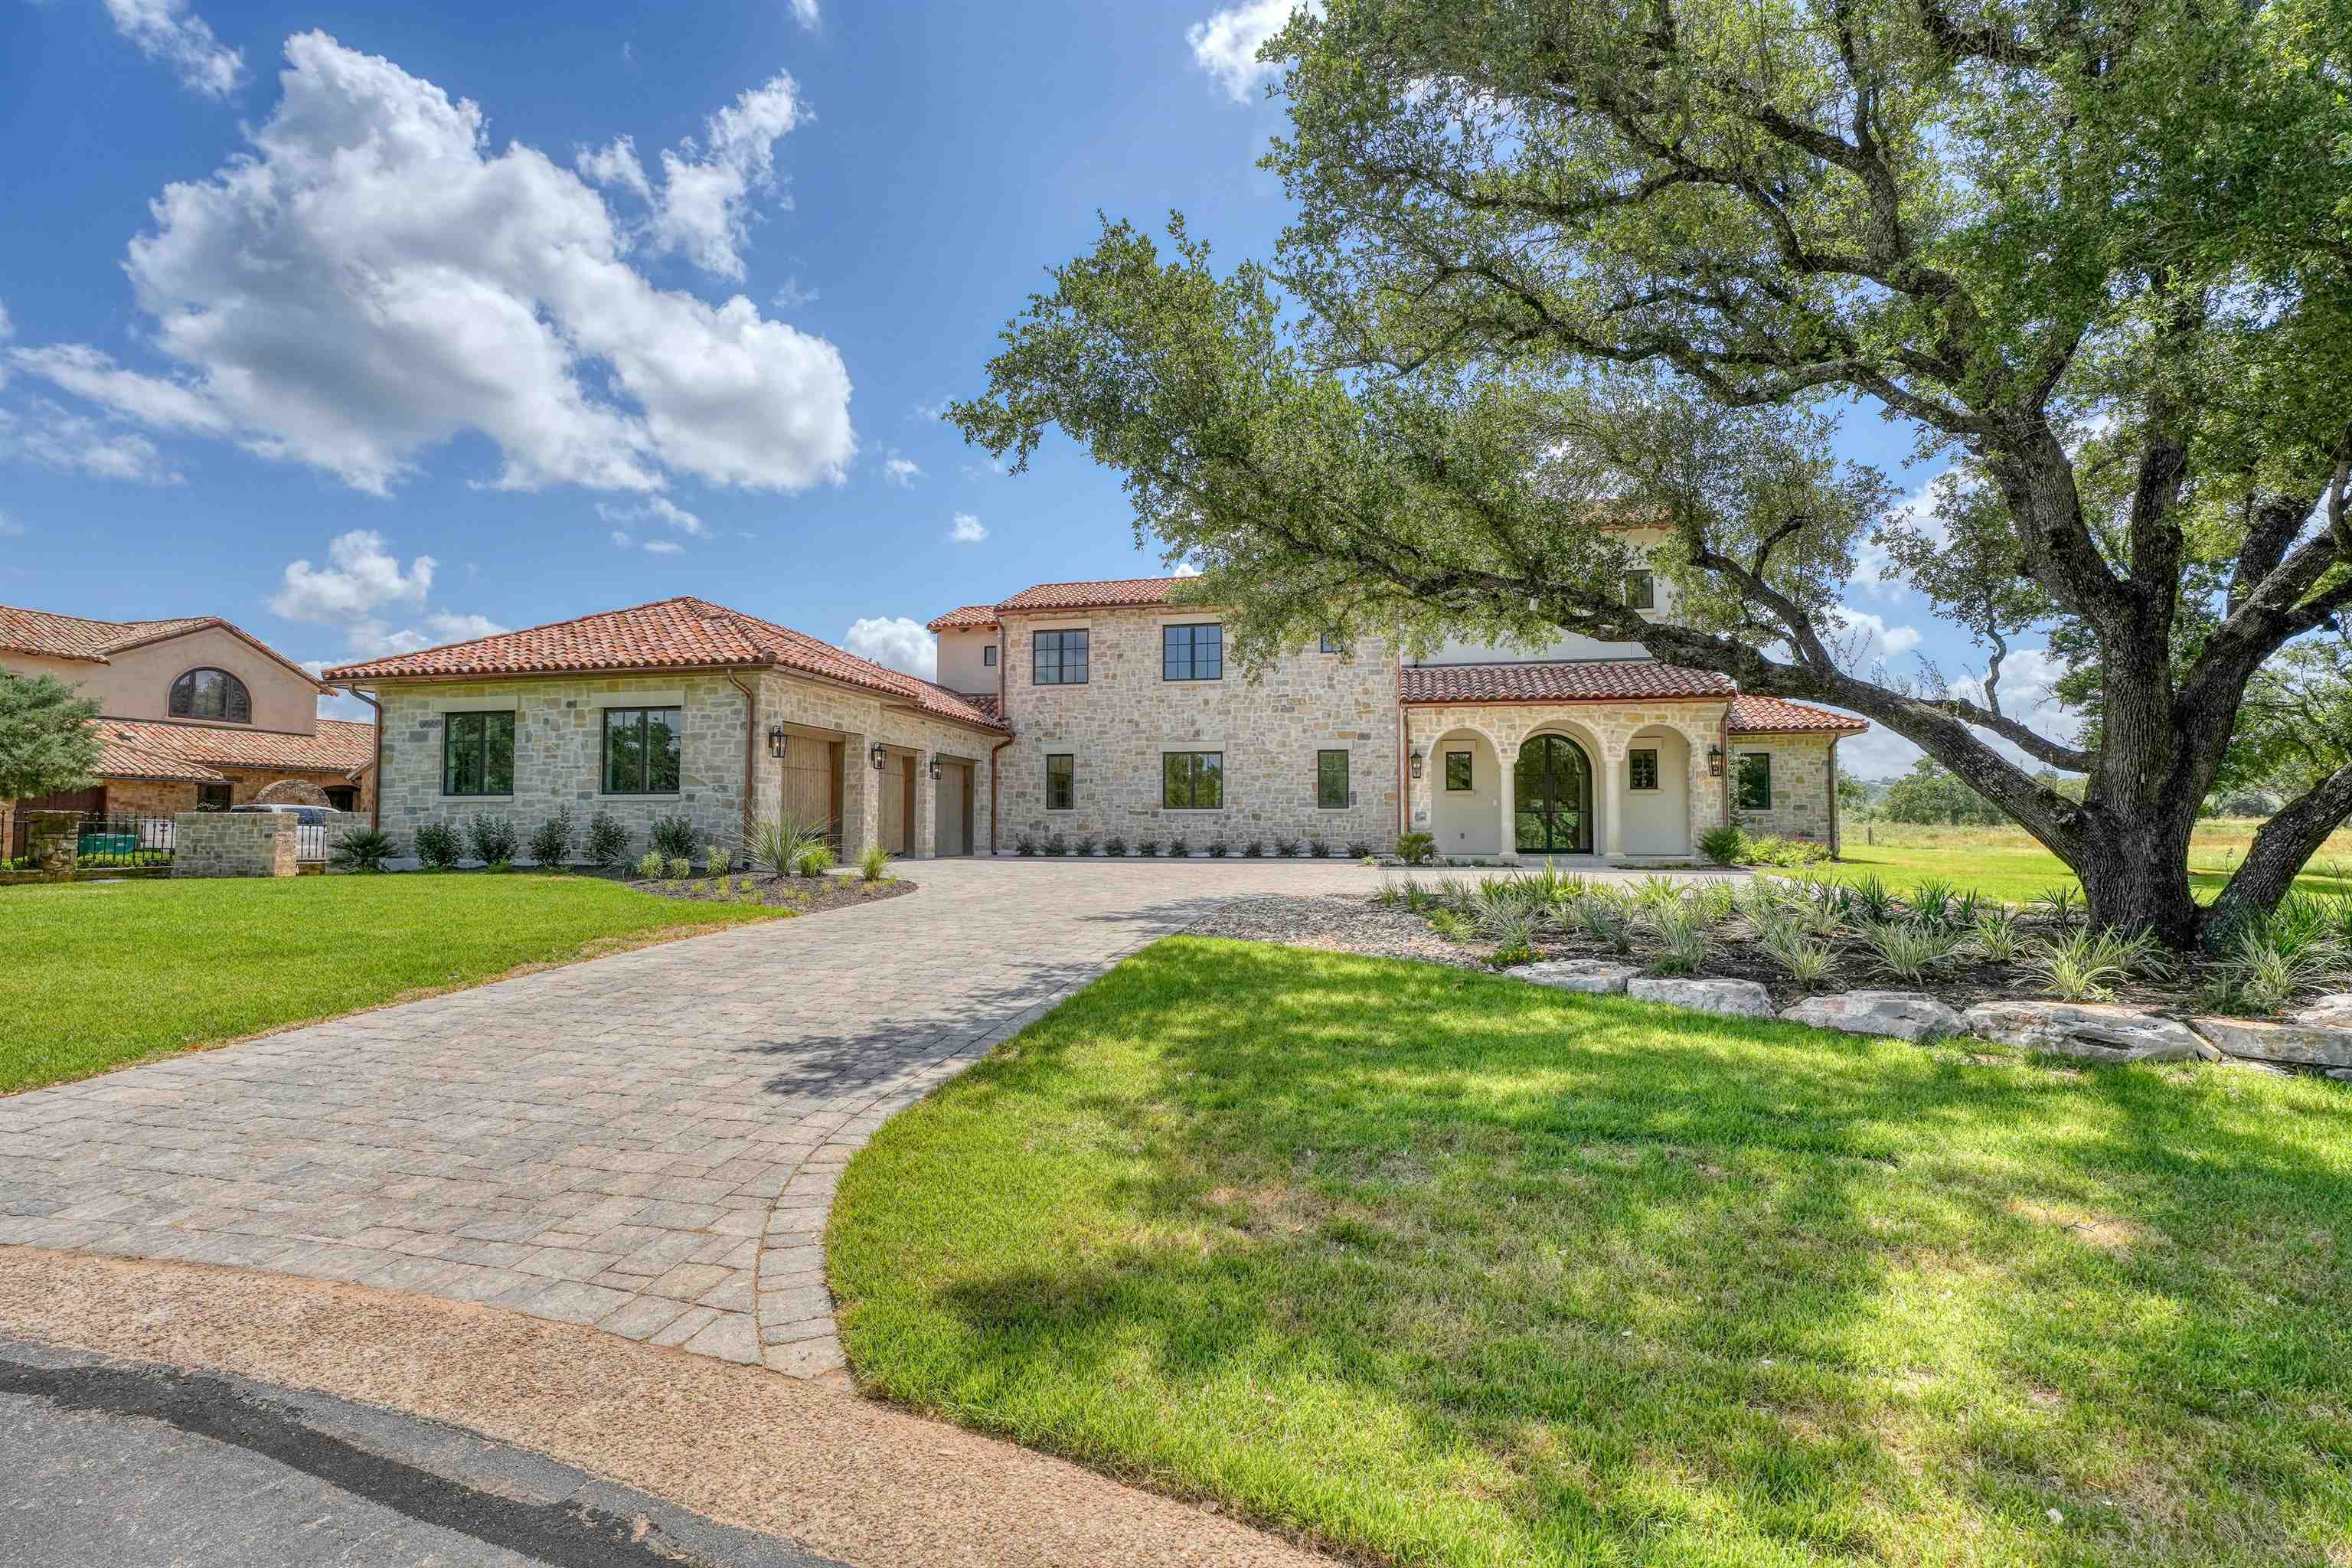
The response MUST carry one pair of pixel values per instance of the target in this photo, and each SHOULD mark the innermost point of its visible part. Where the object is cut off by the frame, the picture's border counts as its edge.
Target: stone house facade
(195, 714)
(679, 709)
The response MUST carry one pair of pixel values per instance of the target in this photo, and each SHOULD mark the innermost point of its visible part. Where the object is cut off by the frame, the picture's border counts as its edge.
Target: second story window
(477, 753)
(211, 694)
(987, 655)
(1642, 590)
(1059, 658)
(641, 750)
(1192, 653)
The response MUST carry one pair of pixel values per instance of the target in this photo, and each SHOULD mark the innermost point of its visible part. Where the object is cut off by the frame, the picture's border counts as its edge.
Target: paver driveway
(647, 1142)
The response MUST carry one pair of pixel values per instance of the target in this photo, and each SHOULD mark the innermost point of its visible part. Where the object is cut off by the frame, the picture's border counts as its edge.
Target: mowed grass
(1442, 1267)
(2006, 863)
(101, 974)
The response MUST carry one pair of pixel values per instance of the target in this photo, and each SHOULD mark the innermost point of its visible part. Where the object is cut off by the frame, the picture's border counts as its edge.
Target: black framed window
(1061, 782)
(988, 654)
(1755, 780)
(1458, 771)
(215, 796)
(641, 750)
(1192, 653)
(477, 753)
(1641, 769)
(1330, 644)
(1192, 781)
(211, 694)
(1331, 781)
(1642, 590)
(1059, 658)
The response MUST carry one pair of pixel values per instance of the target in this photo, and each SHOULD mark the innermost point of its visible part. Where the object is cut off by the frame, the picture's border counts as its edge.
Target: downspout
(375, 804)
(1729, 762)
(750, 745)
(1003, 653)
(1834, 815)
(1404, 767)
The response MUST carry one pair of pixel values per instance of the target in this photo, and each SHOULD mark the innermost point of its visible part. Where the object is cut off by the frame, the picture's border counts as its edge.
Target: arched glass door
(1551, 790)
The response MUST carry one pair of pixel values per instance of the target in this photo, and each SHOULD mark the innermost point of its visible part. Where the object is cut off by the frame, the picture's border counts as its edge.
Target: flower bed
(794, 895)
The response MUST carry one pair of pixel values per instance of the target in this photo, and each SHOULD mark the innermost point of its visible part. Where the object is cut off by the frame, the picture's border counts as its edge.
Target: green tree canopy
(46, 741)
(1559, 266)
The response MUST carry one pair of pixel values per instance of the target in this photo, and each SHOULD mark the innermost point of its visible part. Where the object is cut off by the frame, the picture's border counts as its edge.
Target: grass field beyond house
(1445, 1268)
(99, 975)
(2006, 863)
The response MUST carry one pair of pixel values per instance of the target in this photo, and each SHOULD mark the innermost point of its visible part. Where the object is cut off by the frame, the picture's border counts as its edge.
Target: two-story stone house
(196, 714)
(1128, 721)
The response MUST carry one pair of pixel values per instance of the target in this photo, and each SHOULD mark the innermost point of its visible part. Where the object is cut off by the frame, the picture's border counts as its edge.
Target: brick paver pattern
(647, 1142)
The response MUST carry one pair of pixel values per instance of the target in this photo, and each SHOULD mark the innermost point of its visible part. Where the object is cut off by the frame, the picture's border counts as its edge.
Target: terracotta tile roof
(341, 747)
(1597, 681)
(683, 633)
(986, 702)
(966, 618)
(78, 637)
(122, 757)
(1116, 593)
(1778, 716)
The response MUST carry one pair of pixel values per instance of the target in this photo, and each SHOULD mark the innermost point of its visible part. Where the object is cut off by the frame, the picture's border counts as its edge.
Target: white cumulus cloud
(1865, 636)
(362, 577)
(895, 643)
(168, 32)
(1225, 45)
(373, 279)
(967, 529)
(702, 208)
(901, 471)
(653, 509)
(804, 13)
(74, 443)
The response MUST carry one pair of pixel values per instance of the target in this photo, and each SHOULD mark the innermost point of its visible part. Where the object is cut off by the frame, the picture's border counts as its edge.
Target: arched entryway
(1551, 797)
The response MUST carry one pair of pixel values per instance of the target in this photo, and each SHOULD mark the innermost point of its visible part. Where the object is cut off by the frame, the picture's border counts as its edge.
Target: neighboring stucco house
(1126, 721)
(196, 714)
(686, 709)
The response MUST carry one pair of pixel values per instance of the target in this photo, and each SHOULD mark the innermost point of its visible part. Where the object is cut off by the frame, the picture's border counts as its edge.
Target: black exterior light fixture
(880, 758)
(935, 765)
(1420, 760)
(778, 740)
(1714, 762)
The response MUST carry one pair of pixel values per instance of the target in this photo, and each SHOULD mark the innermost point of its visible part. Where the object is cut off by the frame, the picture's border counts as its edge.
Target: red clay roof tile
(1754, 715)
(968, 618)
(1107, 594)
(342, 745)
(1594, 680)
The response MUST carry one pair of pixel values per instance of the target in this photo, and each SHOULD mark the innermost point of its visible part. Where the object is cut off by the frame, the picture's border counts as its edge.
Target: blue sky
(369, 328)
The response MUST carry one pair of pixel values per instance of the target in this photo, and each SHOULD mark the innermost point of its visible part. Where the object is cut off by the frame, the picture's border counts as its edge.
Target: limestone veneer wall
(1801, 785)
(217, 844)
(859, 720)
(1606, 730)
(1117, 725)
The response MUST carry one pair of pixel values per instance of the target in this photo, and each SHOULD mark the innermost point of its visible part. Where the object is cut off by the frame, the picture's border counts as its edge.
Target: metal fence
(102, 839)
(311, 838)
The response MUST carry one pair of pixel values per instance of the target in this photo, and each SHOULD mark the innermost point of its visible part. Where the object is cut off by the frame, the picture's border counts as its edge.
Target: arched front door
(1551, 797)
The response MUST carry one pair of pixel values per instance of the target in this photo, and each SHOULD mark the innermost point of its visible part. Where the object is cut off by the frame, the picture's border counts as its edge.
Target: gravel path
(1336, 924)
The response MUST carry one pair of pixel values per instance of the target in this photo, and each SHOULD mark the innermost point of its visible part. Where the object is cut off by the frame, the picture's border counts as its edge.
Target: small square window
(477, 753)
(1059, 658)
(1642, 590)
(641, 750)
(987, 655)
(1191, 781)
(1641, 769)
(1330, 644)
(1061, 783)
(1457, 771)
(1192, 653)
(1331, 781)
(1755, 780)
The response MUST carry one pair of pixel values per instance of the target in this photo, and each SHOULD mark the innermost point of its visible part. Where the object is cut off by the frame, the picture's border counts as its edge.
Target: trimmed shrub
(1725, 845)
(492, 837)
(608, 841)
(438, 846)
(1416, 849)
(550, 841)
(674, 836)
(649, 866)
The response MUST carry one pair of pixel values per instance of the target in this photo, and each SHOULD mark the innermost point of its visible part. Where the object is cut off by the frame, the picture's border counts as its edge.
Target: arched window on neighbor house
(211, 694)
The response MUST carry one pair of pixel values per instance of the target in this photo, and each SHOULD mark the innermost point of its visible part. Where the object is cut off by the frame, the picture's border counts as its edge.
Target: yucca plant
(1657, 892)
(1115, 846)
(1997, 935)
(2060, 905)
(1931, 904)
(773, 845)
(2087, 965)
(1910, 952)
(1872, 901)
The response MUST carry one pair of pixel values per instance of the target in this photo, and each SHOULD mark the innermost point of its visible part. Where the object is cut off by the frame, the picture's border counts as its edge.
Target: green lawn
(1440, 1267)
(2006, 863)
(101, 974)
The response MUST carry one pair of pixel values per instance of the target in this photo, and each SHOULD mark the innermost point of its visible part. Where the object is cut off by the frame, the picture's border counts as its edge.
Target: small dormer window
(1641, 591)
(211, 694)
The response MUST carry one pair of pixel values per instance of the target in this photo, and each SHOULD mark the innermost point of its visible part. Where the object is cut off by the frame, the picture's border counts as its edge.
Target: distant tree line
(1934, 795)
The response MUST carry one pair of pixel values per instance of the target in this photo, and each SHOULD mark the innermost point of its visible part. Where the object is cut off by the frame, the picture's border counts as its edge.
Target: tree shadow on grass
(1416, 1258)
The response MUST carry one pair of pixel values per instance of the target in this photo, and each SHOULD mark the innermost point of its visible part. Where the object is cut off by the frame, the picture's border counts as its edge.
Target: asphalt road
(127, 1465)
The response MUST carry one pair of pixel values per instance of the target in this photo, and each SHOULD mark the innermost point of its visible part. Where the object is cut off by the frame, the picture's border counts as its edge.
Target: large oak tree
(1561, 265)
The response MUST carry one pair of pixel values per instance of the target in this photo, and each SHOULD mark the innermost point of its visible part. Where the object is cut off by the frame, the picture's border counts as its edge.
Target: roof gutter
(750, 745)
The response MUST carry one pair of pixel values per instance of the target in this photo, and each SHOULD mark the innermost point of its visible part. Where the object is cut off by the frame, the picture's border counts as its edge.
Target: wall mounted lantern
(880, 759)
(778, 739)
(1715, 762)
(935, 764)
(1420, 757)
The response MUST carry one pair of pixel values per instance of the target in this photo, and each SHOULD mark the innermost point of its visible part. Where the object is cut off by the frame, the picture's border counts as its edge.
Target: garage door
(812, 780)
(953, 833)
(898, 790)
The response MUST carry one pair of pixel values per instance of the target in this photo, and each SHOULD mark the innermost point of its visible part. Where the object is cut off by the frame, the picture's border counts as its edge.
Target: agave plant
(1910, 952)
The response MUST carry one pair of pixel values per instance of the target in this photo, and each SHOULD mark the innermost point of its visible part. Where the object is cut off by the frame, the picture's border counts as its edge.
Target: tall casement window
(987, 655)
(1457, 771)
(477, 753)
(641, 750)
(1642, 769)
(211, 694)
(1331, 781)
(1755, 780)
(1640, 590)
(1192, 653)
(1191, 781)
(1059, 658)
(1061, 782)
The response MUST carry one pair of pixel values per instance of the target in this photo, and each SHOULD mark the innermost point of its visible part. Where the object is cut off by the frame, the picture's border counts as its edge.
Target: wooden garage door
(897, 783)
(954, 830)
(812, 780)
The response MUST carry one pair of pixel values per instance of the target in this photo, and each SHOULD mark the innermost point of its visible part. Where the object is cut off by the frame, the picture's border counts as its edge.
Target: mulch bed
(803, 895)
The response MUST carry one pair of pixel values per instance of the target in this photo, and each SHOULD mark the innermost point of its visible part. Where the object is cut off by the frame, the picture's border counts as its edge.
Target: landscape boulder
(1596, 976)
(1739, 998)
(1911, 1015)
(2094, 1031)
(2319, 1036)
